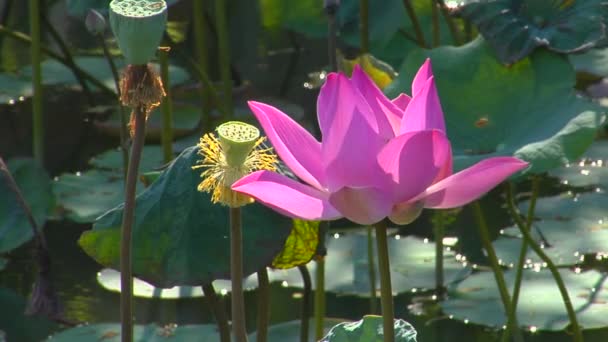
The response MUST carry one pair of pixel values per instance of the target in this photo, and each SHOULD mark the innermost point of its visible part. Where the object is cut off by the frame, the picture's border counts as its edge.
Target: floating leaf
(151, 158)
(567, 206)
(179, 237)
(591, 170)
(300, 246)
(108, 332)
(14, 87)
(369, 329)
(35, 186)
(290, 331)
(593, 62)
(476, 299)
(514, 28)
(16, 325)
(548, 125)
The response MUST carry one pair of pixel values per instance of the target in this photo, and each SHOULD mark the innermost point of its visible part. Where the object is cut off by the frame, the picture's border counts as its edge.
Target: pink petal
(445, 171)
(424, 73)
(401, 102)
(470, 184)
(287, 196)
(364, 206)
(406, 213)
(412, 161)
(387, 114)
(424, 110)
(296, 147)
(350, 135)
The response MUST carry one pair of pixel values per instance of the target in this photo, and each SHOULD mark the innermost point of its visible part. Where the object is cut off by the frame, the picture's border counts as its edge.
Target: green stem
(126, 271)
(331, 10)
(24, 38)
(439, 232)
(201, 48)
(223, 41)
(578, 335)
(305, 316)
(121, 109)
(218, 311)
(435, 22)
(498, 275)
(386, 292)
(450, 21)
(414, 19)
(524, 244)
(364, 28)
(373, 297)
(166, 106)
(263, 305)
(36, 60)
(319, 304)
(236, 276)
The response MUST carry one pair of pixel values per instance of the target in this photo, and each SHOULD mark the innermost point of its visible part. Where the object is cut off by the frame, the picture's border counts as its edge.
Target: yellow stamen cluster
(219, 176)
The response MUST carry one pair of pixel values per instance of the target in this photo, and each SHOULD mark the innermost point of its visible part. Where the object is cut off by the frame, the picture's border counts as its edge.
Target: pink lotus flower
(378, 158)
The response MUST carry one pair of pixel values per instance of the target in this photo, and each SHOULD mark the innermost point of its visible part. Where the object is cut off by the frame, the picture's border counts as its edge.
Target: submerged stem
(435, 22)
(36, 61)
(224, 54)
(305, 316)
(386, 292)
(126, 272)
(414, 19)
(439, 233)
(201, 47)
(236, 275)
(498, 275)
(371, 262)
(166, 106)
(319, 305)
(263, 305)
(218, 311)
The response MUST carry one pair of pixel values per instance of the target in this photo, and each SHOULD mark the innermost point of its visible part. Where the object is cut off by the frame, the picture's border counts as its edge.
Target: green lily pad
(528, 110)
(110, 280)
(593, 62)
(515, 28)
(346, 265)
(369, 329)
(290, 331)
(151, 158)
(16, 325)
(109, 332)
(180, 237)
(569, 206)
(590, 171)
(14, 88)
(476, 300)
(35, 186)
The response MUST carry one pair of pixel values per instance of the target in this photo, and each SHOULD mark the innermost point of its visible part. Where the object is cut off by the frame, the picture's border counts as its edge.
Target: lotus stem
(576, 329)
(435, 21)
(166, 106)
(36, 60)
(305, 315)
(218, 311)
(224, 54)
(123, 131)
(414, 19)
(126, 271)
(364, 26)
(201, 47)
(498, 275)
(320, 281)
(263, 305)
(439, 233)
(386, 292)
(236, 275)
(371, 261)
(524, 244)
(450, 21)
(331, 7)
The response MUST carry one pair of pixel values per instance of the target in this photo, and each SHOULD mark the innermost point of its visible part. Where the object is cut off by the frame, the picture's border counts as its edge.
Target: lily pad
(514, 28)
(14, 87)
(111, 160)
(590, 171)
(569, 206)
(301, 245)
(180, 237)
(476, 300)
(109, 332)
(528, 110)
(35, 186)
(346, 265)
(369, 329)
(16, 325)
(290, 331)
(593, 62)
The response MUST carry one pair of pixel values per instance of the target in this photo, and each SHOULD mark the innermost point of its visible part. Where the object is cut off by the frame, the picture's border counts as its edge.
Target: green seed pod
(237, 140)
(138, 25)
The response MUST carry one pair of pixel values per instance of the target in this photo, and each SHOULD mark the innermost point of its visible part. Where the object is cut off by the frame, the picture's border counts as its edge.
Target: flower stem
(439, 233)
(386, 292)
(364, 25)
(578, 335)
(373, 298)
(414, 19)
(126, 277)
(263, 305)
(218, 311)
(498, 275)
(166, 106)
(319, 298)
(236, 276)
(450, 21)
(224, 54)
(524, 244)
(201, 48)
(305, 316)
(435, 22)
(36, 60)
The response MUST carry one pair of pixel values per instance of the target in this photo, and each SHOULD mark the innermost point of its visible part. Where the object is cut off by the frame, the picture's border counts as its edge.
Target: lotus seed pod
(237, 140)
(138, 26)
(95, 22)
